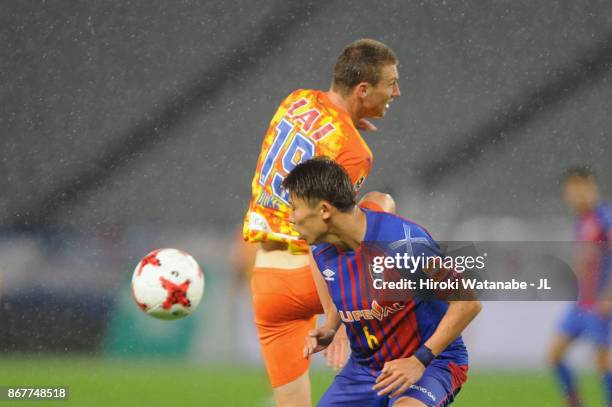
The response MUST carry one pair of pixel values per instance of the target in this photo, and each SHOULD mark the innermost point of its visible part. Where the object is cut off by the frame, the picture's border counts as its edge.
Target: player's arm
(605, 300)
(320, 338)
(458, 316)
(399, 374)
(332, 320)
(587, 257)
(337, 351)
(463, 306)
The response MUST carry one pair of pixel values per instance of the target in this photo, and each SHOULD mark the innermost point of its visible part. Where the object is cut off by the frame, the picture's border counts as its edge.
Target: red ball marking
(150, 259)
(177, 293)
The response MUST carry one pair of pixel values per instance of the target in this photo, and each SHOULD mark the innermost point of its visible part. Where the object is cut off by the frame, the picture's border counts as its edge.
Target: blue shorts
(439, 385)
(586, 323)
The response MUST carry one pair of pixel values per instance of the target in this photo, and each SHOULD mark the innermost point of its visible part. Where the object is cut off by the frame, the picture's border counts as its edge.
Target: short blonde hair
(362, 61)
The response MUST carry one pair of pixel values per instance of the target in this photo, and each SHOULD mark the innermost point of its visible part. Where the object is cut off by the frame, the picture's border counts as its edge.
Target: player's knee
(555, 355)
(294, 394)
(602, 357)
(378, 201)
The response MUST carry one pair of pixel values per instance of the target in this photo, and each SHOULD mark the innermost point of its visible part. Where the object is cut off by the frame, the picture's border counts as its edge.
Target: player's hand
(398, 375)
(317, 340)
(366, 125)
(604, 307)
(336, 353)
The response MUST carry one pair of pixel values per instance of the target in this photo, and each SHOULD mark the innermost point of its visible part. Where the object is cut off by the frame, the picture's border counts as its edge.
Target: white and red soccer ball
(168, 284)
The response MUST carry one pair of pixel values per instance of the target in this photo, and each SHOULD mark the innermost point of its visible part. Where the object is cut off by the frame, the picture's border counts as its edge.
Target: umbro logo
(329, 275)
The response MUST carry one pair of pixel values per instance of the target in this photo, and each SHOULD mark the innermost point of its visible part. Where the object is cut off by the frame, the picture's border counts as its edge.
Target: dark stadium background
(131, 125)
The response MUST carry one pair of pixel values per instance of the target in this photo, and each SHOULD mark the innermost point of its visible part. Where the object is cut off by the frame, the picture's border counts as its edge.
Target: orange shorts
(286, 303)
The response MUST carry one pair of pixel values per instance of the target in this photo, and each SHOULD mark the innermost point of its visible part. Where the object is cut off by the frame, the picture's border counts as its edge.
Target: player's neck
(588, 208)
(350, 228)
(345, 103)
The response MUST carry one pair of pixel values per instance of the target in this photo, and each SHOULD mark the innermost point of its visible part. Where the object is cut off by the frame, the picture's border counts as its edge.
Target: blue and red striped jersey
(383, 327)
(594, 227)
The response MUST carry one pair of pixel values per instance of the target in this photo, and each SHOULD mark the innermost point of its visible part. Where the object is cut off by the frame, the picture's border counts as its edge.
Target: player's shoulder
(593, 226)
(604, 215)
(301, 101)
(295, 100)
(600, 216)
(605, 211)
(385, 225)
(299, 94)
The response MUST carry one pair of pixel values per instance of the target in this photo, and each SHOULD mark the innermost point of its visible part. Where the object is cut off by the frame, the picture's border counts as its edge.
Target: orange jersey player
(309, 123)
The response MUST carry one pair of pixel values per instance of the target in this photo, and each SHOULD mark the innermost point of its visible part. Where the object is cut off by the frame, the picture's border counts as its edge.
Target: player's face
(580, 194)
(307, 220)
(378, 98)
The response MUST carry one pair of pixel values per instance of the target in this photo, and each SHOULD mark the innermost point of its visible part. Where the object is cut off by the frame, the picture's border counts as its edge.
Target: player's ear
(326, 209)
(362, 89)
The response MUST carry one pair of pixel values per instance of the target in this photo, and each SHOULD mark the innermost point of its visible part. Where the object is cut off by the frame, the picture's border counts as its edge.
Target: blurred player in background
(406, 351)
(309, 123)
(589, 317)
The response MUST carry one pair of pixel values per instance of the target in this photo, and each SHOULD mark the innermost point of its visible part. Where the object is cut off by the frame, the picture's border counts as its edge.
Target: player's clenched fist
(318, 339)
(398, 375)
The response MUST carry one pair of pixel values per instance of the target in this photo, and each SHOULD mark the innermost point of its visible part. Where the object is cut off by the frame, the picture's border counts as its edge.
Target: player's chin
(305, 238)
(385, 108)
(311, 241)
(382, 112)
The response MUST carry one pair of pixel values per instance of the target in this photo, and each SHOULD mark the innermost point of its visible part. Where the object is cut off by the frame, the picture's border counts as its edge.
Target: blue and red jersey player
(584, 318)
(589, 317)
(405, 349)
(381, 329)
(593, 229)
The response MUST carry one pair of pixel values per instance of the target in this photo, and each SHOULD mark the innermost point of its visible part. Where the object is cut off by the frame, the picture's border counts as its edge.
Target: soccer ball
(168, 284)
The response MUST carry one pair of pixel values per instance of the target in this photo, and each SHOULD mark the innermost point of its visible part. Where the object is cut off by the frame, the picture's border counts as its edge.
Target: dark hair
(361, 61)
(577, 171)
(321, 179)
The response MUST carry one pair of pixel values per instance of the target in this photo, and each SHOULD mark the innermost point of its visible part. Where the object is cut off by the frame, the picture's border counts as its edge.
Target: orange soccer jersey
(307, 124)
